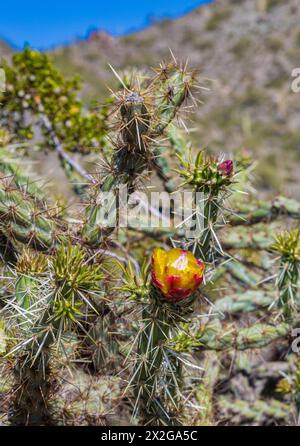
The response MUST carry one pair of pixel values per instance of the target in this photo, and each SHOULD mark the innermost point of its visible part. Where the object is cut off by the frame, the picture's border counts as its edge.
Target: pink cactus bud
(226, 168)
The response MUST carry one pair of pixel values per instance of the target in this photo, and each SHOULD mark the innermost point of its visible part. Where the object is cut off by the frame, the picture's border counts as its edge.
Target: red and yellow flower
(176, 273)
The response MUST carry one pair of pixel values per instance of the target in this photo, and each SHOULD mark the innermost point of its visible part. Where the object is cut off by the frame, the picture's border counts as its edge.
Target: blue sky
(44, 24)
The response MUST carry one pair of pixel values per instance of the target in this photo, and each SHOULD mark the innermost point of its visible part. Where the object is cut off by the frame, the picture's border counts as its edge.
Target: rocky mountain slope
(5, 50)
(245, 51)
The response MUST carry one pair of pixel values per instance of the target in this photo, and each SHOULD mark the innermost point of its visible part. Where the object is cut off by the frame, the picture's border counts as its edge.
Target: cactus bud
(226, 168)
(176, 273)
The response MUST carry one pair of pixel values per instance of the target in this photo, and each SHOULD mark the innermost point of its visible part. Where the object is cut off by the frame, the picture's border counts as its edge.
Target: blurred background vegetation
(245, 52)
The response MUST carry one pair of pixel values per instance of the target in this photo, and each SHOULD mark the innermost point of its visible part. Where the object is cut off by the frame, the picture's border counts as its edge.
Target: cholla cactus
(287, 245)
(166, 301)
(212, 177)
(67, 305)
(53, 298)
(58, 295)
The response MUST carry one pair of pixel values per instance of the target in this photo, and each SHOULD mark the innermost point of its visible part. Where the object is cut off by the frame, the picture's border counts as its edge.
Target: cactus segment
(213, 336)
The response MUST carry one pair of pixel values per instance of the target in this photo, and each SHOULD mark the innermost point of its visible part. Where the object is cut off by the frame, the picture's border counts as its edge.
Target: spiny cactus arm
(252, 212)
(214, 336)
(259, 411)
(289, 385)
(151, 356)
(130, 159)
(85, 399)
(102, 216)
(29, 270)
(132, 153)
(32, 235)
(31, 361)
(146, 114)
(287, 206)
(205, 391)
(245, 302)
(211, 177)
(11, 168)
(157, 374)
(96, 226)
(243, 275)
(256, 211)
(57, 305)
(27, 221)
(260, 237)
(257, 236)
(25, 216)
(178, 139)
(32, 371)
(287, 244)
(174, 87)
(141, 117)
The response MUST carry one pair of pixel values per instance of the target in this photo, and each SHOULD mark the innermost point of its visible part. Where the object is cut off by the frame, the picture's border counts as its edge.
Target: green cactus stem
(287, 245)
(214, 336)
(32, 391)
(48, 310)
(90, 400)
(205, 175)
(27, 220)
(261, 412)
(156, 378)
(245, 302)
(150, 386)
(205, 392)
(11, 168)
(31, 372)
(176, 86)
(241, 273)
(258, 237)
(141, 117)
(26, 217)
(255, 212)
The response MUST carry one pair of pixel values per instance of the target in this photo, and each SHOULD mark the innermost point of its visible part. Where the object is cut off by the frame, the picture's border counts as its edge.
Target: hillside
(245, 51)
(5, 50)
